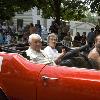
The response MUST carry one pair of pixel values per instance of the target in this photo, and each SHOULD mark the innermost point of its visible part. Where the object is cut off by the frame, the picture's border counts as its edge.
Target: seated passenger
(51, 51)
(95, 53)
(35, 53)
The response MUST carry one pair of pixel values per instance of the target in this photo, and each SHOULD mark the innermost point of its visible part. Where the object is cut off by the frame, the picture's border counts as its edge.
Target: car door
(63, 83)
(19, 78)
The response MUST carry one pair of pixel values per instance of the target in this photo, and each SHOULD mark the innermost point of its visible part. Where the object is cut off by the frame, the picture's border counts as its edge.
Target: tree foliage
(57, 9)
(94, 5)
(73, 9)
(9, 7)
(63, 9)
(6, 10)
(90, 18)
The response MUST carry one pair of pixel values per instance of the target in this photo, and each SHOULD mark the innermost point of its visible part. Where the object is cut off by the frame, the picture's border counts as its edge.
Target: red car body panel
(23, 80)
(18, 77)
(72, 84)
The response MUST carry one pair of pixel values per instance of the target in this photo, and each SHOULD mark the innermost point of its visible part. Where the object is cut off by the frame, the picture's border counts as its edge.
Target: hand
(63, 51)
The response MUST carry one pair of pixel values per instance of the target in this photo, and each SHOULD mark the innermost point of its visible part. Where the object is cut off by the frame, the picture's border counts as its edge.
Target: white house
(34, 15)
(76, 26)
(23, 18)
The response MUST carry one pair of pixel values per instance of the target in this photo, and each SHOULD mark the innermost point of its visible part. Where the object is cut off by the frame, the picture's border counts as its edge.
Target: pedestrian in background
(90, 38)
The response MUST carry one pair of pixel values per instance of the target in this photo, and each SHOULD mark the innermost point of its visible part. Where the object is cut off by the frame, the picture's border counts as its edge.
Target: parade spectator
(14, 40)
(4, 27)
(8, 38)
(97, 30)
(51, 50)
(32, 28)
(83, 40)
(95, 52)
(1, 38)
(77, 40)
(13, 28)
(90, 38)
(20, 33)
(25, 37)
(35, 53)
(38, 28)
(54, 27)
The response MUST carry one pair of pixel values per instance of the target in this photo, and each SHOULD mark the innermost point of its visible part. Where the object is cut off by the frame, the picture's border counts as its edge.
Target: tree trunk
(57, 4)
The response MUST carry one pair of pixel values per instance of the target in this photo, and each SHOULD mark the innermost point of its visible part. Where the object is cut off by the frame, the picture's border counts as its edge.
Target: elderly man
(35, 53)
(51, 51)
(95, 53)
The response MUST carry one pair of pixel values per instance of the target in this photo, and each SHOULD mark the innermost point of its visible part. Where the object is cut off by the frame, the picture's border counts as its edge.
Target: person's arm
(59, 58)
(95, 57)
(91, 55)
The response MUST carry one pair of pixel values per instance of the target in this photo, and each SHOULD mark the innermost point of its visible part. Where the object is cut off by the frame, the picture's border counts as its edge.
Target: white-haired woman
(51, 51)
(34, 51)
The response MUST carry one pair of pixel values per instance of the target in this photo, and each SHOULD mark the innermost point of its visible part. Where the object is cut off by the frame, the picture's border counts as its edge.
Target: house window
(38, 11)
(19, 23)
(38, 21)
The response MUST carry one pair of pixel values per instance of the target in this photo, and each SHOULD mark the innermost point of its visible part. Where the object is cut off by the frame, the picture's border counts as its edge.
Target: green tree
(90, 17)
(94, 6)
(9, 7)
(57, 9)
(6, 10)
(63, 9)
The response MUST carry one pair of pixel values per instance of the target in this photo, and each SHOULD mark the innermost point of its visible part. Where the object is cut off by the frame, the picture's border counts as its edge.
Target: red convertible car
(20, 79)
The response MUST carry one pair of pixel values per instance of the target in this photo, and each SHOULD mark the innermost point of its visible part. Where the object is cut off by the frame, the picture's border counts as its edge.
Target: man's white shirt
(39, 57)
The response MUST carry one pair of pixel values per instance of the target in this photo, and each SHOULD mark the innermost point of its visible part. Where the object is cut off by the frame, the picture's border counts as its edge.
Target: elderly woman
(51, 51)
(35, 53)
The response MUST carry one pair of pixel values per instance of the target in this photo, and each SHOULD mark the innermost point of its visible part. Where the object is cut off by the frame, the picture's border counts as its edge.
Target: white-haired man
(35, 53)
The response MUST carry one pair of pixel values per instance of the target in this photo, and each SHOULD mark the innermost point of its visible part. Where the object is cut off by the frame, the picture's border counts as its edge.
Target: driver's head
(35, 42)
(52, 40)
(97, 43)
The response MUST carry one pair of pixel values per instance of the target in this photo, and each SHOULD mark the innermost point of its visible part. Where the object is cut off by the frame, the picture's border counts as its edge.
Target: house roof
(80, 24)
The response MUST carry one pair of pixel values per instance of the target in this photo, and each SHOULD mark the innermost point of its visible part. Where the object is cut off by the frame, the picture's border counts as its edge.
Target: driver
(51, 51)
(95, 53)
(35, 53)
